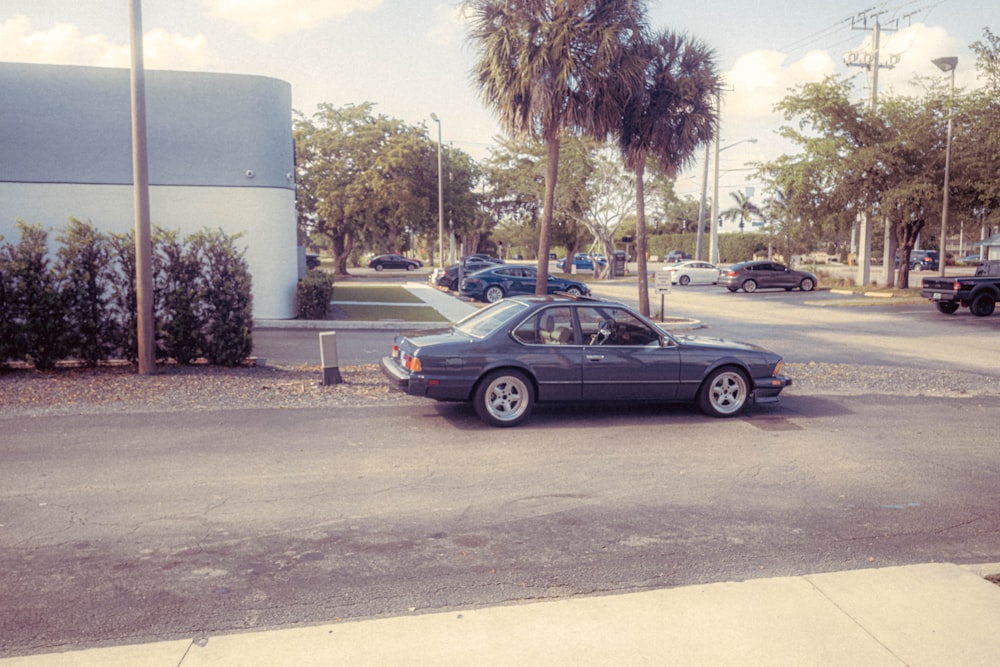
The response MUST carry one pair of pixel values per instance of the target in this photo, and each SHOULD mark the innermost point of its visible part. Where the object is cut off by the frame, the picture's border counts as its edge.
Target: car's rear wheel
(378, 267)
(725, 393)
(750, 286)
(807, 285)
(684, 280)
(493, 293)
(454, 285)
(947, 307)
(504, 398)
(983, 304)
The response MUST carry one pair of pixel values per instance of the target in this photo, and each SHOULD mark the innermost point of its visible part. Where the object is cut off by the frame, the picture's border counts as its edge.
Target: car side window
(551, 326)
(614, 326)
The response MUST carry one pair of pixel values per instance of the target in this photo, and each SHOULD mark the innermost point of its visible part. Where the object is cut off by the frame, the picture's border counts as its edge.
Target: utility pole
(872, 61)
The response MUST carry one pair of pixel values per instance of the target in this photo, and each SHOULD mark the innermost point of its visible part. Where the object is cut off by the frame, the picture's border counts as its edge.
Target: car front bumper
(766, 390)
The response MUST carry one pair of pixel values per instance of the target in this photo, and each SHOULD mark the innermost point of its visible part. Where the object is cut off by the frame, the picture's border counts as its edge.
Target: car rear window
(484, 322)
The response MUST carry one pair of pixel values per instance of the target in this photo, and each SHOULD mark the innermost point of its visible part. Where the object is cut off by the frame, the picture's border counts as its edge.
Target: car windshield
(484, 322)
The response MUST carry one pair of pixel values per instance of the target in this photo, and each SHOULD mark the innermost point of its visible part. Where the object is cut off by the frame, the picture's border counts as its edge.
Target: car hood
(709, 342)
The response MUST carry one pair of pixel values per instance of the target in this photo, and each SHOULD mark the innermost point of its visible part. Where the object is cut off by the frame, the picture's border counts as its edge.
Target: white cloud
(449, 25)
(270, 18)
(65, 44)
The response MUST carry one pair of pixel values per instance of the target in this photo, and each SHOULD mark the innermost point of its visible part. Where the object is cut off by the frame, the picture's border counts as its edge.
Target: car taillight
(411, 363)
(395, 351)
(956, 286)
(731, 273)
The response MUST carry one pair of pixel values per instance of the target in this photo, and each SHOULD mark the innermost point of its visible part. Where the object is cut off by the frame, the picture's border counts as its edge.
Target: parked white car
(693, 272)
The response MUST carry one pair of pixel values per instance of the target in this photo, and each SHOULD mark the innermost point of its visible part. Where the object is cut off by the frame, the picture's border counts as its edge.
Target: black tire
(732, 289)
(947, 307)
(684, 280)
(493, 294)
(454, 285)
(410, 267)
(724, 393)
(983, 304)
(378, 267)
(504, 398)
(750, 286)
(573, 291)
(807, 285)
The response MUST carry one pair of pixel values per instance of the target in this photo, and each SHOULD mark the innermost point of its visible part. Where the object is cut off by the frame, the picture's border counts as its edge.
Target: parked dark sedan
(499, 282)
(751, 276)
(449, 278)
(380, 262)
(519, 351)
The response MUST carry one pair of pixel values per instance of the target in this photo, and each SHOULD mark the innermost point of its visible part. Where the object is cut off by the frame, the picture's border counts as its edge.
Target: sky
(411, 58)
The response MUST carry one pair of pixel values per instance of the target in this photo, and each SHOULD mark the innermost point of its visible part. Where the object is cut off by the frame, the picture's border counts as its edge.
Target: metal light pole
(440, 195)
(714, 250)
(140, 184)
(946, 65)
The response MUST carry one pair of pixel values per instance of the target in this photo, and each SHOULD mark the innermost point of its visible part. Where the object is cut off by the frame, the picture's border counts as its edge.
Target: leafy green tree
(976, 147)
(548, 67)
(667, 116)
(364, 181)
(515, 173)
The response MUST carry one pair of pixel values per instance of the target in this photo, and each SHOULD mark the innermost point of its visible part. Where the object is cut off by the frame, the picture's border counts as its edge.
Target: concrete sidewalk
(918, 615)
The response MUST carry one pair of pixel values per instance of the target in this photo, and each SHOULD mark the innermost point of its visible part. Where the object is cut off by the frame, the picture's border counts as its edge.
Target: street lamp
(947, 64)
(714, 245)
(437, 120)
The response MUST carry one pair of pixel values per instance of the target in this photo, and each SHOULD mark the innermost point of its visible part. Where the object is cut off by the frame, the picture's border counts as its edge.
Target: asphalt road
(137, 527)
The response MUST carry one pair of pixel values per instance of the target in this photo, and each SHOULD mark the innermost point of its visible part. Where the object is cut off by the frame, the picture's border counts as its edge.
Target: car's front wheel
(573, 291)
(807, 285)
(725, 393)
(493, 293)
(504, 398)
(750, 286)
(410, 267)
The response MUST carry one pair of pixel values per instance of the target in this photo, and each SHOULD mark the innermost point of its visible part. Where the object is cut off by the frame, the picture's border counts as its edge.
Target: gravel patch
(108, 389)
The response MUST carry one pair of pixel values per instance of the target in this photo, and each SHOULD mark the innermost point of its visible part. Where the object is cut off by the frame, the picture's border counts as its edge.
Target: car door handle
(595, 357)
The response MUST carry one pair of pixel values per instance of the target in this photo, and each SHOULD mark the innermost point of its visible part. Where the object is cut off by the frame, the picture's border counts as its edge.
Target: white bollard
(328, 357)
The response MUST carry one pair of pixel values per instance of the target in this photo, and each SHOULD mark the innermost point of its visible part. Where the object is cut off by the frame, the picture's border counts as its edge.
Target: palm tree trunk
(545, 231)
(640, 236)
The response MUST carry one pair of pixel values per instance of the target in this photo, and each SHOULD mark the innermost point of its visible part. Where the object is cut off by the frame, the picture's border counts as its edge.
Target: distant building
(221, 156)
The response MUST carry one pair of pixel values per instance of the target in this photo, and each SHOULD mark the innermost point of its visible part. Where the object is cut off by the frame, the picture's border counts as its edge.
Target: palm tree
(551, 66)
(667, 118)
(743, 209)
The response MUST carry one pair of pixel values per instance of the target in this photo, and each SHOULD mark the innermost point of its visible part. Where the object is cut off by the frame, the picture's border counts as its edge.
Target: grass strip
(377, 313)
(376, 293)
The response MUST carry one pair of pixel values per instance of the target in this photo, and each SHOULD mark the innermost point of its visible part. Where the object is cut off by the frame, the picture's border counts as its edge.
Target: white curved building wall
(221, 156)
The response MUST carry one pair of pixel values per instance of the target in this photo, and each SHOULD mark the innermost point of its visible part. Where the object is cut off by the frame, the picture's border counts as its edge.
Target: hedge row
(80, 303)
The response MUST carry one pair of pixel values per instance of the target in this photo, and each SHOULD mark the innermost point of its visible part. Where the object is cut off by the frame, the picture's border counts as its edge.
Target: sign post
(663, 282)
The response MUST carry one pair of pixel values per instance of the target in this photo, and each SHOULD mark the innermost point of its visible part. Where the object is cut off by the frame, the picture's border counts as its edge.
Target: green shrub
(227, 319)
(37, 306)
(85, 277)
(178, 288)
(315, 292)
(84, 307)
